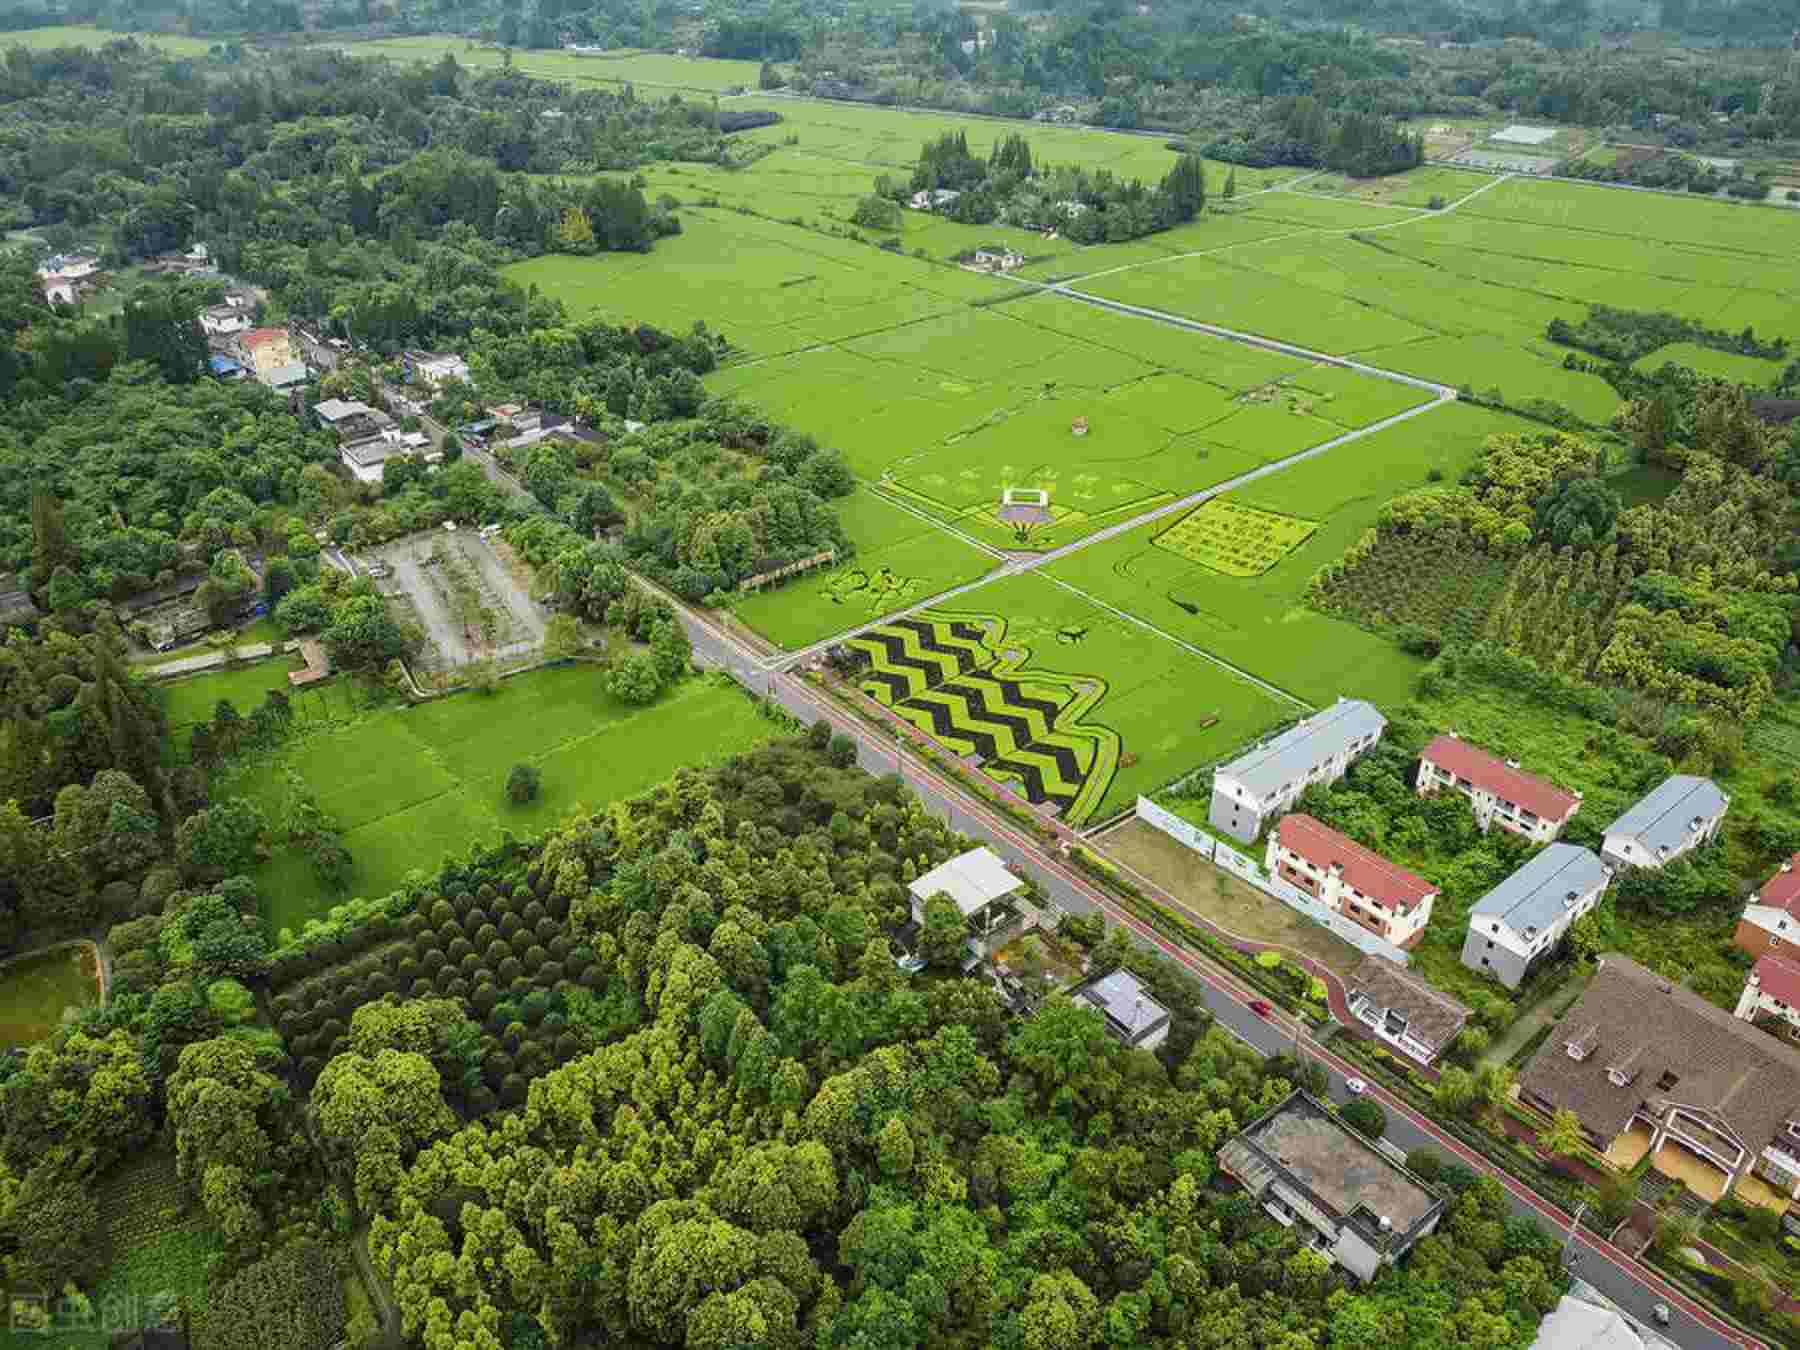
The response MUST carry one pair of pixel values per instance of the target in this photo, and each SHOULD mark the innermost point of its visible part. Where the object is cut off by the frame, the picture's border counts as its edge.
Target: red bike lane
(1244, 995)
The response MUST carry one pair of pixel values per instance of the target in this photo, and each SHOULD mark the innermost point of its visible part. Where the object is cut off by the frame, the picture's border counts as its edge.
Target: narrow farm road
(1020, 566)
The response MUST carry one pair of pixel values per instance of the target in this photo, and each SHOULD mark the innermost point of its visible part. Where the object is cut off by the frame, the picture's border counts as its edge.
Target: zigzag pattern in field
(913, 655)
(1012, 732)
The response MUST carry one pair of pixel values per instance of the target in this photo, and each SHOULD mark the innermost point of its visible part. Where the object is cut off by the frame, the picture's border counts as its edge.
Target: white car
(1355, 1086)
(1661, 1313)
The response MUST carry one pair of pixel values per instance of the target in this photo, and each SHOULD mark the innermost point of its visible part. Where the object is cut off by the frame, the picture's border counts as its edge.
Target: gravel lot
(421, 589)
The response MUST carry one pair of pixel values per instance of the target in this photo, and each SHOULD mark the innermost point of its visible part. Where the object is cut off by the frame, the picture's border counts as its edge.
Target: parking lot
(456, 587)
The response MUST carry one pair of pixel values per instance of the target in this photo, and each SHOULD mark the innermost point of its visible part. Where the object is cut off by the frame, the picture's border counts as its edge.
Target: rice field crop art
(1238, 540)
(963, 680)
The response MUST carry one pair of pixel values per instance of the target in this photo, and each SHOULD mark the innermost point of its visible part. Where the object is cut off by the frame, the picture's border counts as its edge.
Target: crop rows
(1240, 541)
(505, 955)
(946, 677)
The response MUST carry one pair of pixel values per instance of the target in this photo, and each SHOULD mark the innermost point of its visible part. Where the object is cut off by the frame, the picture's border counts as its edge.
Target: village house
(367, 458)
(990, 898)
(1679, 816)
(1133, 1018)
(1306, 1167)
(268, 354)
(1521, 921)
(1402, 1009)
(434, 369)
(1651, 1069)
(998, 258)
(1344, 876)
(1772, 989)
(1264, 782)
(223, 320)
(65, 277)
(1499, 791)
(521, 417)
(932, 199)
(1771, 921)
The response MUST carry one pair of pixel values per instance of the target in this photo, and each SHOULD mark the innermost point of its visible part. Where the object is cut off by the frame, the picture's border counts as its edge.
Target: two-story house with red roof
(1358, 883)
(1499, 791)
(1771, 921)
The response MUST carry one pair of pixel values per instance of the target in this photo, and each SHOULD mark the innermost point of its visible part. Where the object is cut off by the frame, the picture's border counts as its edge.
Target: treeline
(1691, 599)
(308, 172)
(1625, 335)
(699, 524)
(1304, 131)
(1009, 186)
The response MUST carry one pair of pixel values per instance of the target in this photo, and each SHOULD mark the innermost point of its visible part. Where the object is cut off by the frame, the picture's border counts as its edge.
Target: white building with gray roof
(1264, 782)
(1683, 813)
(1520, 921)
(1132, 1015)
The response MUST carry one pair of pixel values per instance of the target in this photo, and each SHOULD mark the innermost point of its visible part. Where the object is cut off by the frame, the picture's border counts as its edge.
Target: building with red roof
(1771, 920)
(1358, 883)
(1772, 989)
(1500, 792)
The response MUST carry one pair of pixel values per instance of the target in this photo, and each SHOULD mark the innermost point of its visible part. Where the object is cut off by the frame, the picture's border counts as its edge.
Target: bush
(292, 1300)
(522, 784)
(1365, 1117)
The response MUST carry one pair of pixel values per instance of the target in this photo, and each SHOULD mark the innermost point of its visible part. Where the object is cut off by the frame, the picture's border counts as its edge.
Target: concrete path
(187, 665)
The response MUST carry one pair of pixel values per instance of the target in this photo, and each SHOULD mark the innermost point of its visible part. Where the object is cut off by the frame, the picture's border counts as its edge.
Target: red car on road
(1261, 1008)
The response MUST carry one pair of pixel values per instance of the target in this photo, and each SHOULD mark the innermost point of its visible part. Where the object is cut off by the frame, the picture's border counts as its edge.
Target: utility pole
(1570, 1255)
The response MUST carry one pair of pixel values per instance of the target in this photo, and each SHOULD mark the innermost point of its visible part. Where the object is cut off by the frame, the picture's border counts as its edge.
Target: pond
(35, 991)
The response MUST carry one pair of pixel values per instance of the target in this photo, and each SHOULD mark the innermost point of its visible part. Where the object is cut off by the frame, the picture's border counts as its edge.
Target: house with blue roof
(1683, 813)
(1523, 919)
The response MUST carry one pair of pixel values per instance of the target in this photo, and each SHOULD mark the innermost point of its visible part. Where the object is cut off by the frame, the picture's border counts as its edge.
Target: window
(1490, 945)
(1668, 1080)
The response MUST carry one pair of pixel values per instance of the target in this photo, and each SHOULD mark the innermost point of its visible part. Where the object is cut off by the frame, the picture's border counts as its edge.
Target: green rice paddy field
(1075, 707)
(1260, 623)
(409, 786)
(945, 388)
(71, 35)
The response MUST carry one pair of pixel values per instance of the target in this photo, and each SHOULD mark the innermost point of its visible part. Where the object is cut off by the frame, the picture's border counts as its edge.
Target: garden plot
(1240, 541)
(457, 589)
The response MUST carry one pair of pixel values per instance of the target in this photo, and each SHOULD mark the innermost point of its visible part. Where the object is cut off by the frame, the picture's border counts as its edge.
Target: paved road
(1635, 1288)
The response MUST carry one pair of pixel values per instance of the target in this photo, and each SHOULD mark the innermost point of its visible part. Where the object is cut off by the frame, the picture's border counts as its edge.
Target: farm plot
(410, 785)
(460, 593)
(1075, 708)
(901, 560)
(1261, 624)
(1240, 541)
(191, 700)
(1733, 366)
(72, 35)
(623, 66)
(757, 281)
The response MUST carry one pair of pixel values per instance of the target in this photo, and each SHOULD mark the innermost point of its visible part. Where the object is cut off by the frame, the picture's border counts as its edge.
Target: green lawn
(35, 992)
(192, 699)
(1261, 623)
(411, 785)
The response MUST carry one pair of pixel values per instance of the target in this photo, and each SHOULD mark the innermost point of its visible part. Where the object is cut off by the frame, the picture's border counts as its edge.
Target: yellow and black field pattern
(956, 677)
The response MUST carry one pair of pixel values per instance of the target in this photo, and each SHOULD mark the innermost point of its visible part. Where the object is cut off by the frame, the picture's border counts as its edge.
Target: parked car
(1260, 1006)
(1355, 1086)
(1661, 1313)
